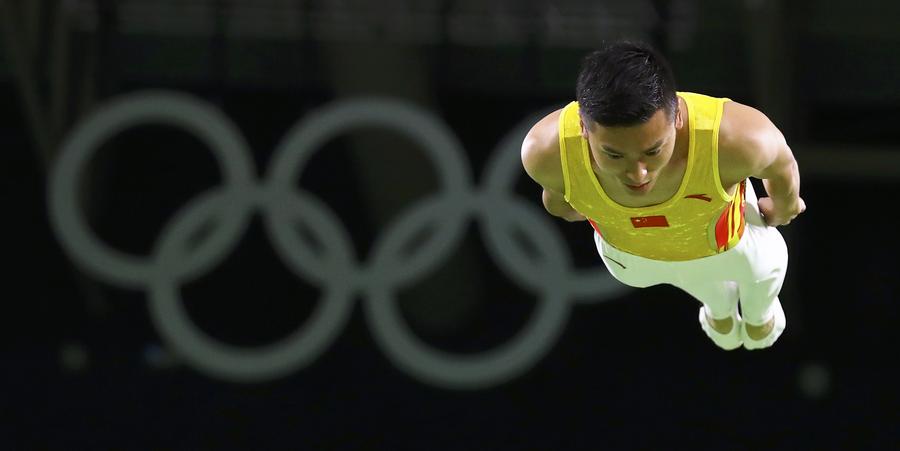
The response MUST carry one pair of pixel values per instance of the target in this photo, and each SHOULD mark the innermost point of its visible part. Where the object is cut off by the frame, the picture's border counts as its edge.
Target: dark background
(85, 368)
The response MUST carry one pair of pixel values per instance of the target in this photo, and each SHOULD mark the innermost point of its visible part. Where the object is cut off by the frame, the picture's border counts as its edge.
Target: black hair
(624, 84)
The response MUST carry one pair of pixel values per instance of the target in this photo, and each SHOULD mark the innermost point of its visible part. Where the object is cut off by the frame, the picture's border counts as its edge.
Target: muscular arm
(541, 159)
(751, 146)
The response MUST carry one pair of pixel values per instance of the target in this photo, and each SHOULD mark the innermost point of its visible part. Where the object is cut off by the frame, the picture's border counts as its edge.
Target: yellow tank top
(700, 220)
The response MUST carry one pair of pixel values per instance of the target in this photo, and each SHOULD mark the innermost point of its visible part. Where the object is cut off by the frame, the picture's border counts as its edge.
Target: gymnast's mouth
(642, 188)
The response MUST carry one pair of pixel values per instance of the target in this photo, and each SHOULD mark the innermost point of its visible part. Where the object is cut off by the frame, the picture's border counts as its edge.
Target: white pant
(751, 272)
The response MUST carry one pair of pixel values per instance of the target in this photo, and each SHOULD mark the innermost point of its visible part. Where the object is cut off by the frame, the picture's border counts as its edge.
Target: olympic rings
(333, 266)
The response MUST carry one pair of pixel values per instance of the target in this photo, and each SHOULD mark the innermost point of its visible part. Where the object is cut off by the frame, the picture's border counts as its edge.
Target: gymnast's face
(634, 155)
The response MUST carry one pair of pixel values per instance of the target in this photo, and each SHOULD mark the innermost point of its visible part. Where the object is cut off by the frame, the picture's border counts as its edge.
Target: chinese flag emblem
(649, 221)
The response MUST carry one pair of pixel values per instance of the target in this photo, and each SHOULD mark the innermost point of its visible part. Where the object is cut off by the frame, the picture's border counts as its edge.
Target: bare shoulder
(540, 153)
(748, 142)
